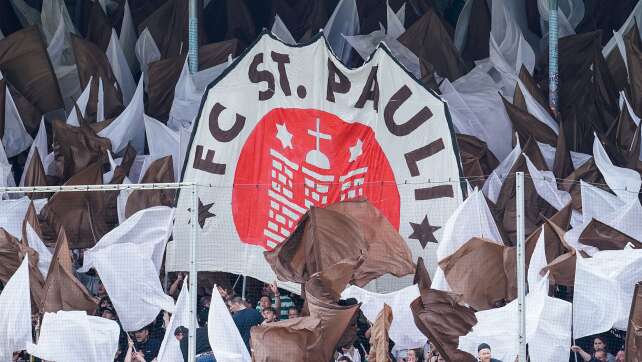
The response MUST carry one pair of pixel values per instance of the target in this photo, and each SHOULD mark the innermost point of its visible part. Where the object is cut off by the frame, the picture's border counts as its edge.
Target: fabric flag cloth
(312, 337)
(343, 21)
(149, 228)
(62, 290)
(25, 64)
(66, 335)
(120, 67)
(69, 139)
(35, 242)
(159, 171)
(15, 313)
(13, 251)
(603, 290)
(379, 335)
(146, 52)
(494, 182)
(343, 230)
(471, 219)
(81, 213)
(129, 126)
(634, 331)
(624, 182)
(402, 331)
(170, 349)
(548, 327)
(15, 137)
(14, 212)
(280, 30)
(605, 237)
(163, 141)
(38, 146)
(477, 160)
(441, 318)
(224, 337)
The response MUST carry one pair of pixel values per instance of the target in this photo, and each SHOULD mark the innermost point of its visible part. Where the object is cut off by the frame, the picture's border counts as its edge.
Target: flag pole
(521, 266)
(193, 324)
(193, 36)
(553, 75)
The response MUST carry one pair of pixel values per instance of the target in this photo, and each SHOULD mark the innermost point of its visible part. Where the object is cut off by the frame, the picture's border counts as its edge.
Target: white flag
(170, 349)
(15, 313)
(225, 339)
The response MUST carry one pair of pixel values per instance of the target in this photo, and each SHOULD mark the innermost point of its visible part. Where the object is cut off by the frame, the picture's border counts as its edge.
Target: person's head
(413, 356)
(180, 332)
(265, 290)
(599, 344)
(293, 312)
(102, 292)
(269, 314)
(601, 356)
(236, 304)
(264, 302)
(205, 301)
(483, 352)
(346, 348)
(142, 335)
(344, 359)
(105, 302)
(108, 313)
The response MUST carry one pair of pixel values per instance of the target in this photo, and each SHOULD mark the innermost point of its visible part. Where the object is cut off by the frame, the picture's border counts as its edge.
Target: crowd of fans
(266, 303)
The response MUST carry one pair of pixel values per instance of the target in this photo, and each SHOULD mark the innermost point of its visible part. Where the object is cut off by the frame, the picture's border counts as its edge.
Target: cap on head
(483, 346)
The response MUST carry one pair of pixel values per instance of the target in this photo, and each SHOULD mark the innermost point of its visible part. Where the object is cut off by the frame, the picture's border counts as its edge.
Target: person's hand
(576, 349)
(139, 356)
(274, 288)
(181, 276)
(222, 292)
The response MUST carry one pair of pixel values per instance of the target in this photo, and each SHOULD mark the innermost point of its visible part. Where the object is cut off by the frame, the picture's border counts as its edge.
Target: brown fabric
(301, 17)
(169, 26)
(31, 218)
(589, 173)
(633, 46)
(428, 38)
(164, 74)
(428, 75)
(232, 19)
(422, 278)
(92, 61)
(11, 254)
(80, 213)
(310, 338)
(531, 85)
(477, 160)
(379, 340)
(534, 153)
(25, 64)
(526, 125)
(604, 237)
(441, 318)
(563, 163)
(35, 176)
(29, 113)
(476, 272)
(617, 67)
(160, 171)
(98, 27)
(633, 343)
(562, 267)
(111, 197)
(328, 284)
(62, 290)
(75, 148)
(510, 263)
(344, 230)
(477, 40)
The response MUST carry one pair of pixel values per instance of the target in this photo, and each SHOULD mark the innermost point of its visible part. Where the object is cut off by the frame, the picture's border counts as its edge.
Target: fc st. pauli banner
(289, 127)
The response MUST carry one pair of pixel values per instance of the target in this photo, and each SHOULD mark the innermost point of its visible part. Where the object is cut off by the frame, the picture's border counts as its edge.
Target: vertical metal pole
(243, 290)
(521, 266)
(193, 278)
(193, 36)
(553, 75)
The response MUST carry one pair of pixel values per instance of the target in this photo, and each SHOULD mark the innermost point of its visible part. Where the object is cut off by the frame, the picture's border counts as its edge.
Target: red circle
(279, 168)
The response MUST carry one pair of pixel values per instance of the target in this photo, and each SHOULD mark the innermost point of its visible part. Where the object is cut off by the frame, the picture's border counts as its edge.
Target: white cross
(318, 135)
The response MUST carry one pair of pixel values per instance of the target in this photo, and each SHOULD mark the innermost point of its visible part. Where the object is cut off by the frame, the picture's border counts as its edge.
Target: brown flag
(169, 26)
(478, 35)
(379, 340)
(526, 125)
(589, 173)
(476, 271)
(563, 163)
(428, 38)
(531, 85)
(164, 74)
(62, 290)
(99, 26)
(75, 148)
(35, 176)
(31, 218)
(120, 172)
(12, 252)
(81, 213)
(160, 171)
(344, 230)
(562, 267)
(92, 61)
(25, 64)
(310, 338)
(633, 343)
(301, 17)
(510, 263)
(604, 237)
(477, 160)
(633, 46)
(29, 113)
(440, 317)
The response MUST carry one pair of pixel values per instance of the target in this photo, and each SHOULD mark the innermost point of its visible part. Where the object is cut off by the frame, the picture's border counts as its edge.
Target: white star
(356, 151)
(283, 135)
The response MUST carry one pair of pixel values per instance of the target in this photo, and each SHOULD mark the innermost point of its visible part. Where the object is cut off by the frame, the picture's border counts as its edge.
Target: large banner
(289, 127)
